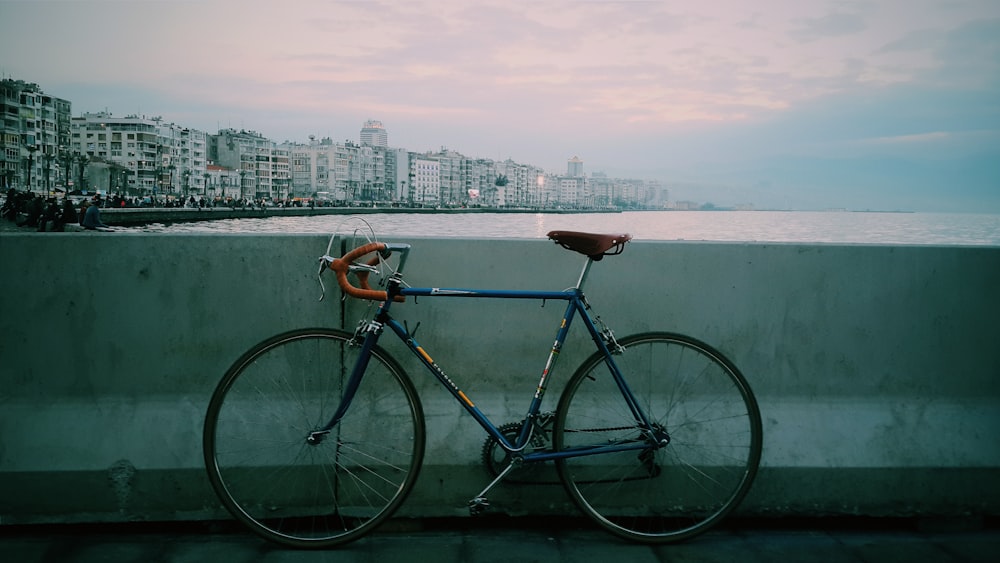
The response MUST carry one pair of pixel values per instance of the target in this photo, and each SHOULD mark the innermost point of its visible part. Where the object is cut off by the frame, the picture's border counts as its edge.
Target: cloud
(915, 138)
(830, 25)
(704, 92)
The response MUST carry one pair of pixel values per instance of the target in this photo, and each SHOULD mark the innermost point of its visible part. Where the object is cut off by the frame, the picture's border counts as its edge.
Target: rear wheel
(306, 494)
(692, 395)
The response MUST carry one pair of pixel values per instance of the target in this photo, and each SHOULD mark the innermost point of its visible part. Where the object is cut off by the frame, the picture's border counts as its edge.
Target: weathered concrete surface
(874, 366)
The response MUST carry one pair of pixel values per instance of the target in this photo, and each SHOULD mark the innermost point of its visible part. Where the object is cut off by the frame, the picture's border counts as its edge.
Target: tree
(31, 163)
(82, 160)
(67, 160)
(48, 158)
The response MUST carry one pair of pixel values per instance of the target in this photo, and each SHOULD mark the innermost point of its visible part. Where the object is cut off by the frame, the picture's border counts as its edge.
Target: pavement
(494, 540)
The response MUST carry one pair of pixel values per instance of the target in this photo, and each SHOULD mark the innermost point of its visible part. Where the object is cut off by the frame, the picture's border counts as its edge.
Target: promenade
(488, 540)
(137, 216)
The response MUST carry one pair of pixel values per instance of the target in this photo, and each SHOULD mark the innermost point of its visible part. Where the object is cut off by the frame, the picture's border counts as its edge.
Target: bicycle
(316, 436)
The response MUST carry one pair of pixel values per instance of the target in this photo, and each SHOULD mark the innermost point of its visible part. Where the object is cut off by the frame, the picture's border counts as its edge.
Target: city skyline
(815, 104)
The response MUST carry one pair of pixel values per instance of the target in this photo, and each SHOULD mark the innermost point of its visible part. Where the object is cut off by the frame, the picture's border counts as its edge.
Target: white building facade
(425, 173)
(139, 156)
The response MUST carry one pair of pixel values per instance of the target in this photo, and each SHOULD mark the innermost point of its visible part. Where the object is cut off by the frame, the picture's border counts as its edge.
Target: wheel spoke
(703, 404)
(312, 495)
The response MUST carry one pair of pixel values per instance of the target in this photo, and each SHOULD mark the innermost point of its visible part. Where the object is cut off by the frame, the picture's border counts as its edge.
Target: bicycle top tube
(593, 245)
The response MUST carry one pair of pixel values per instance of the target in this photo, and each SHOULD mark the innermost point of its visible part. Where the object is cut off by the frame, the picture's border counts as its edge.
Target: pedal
(478, 506)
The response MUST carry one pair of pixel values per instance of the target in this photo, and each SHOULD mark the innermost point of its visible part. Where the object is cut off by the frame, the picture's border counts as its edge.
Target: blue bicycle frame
(576, 305)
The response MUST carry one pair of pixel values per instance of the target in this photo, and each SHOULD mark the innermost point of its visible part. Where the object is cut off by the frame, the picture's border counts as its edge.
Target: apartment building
(34, 138)
(221, 182)
(264, 170)
(347, 171)
(324, 167)
(397, 174)
(373, 134)
(44, 148)
(425, 175)
(523, 188)
(139, 155)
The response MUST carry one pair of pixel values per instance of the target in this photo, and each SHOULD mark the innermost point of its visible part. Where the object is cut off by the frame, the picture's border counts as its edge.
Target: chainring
(495, 459)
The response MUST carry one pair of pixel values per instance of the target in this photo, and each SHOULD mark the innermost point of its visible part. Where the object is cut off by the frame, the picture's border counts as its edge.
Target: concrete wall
(875, 367)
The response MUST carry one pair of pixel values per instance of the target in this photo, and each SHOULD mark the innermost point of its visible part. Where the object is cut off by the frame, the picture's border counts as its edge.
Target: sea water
(724, 226)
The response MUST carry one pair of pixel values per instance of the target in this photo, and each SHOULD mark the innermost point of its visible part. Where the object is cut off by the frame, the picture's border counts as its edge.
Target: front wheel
(309, 493)
(671, 489)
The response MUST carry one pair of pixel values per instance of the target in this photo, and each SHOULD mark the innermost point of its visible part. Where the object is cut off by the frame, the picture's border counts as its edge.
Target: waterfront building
(43, 148)
(521, 184)
(480, 182)
(397, 174)
(344, 171)
(138, 155)
(373, 134)
(574, 167)
(221, 182)
(281, 173)
(312, 168)
(369, 162)
(264, 170)
(571, 192)
(452, 185)
(600, 190)
(34, 138)
(425, 172)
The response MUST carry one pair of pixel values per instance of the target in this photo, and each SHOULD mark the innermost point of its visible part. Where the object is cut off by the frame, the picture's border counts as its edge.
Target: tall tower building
(373, 134)
(574, 167)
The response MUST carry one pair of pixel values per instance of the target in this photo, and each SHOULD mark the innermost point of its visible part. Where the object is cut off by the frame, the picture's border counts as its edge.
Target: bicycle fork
(366, 336)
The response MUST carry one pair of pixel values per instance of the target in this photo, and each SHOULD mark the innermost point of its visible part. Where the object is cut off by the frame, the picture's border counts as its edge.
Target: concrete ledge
(873, 365)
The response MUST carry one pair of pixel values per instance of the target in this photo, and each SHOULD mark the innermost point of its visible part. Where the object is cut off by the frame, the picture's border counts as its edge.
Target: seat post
(584, 273)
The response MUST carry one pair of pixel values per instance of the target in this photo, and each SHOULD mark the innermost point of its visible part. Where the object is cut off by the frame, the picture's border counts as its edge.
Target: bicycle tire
(312, 496)
(660, 494)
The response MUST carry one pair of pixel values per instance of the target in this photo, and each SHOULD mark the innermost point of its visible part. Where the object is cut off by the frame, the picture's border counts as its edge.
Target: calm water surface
(729, 226)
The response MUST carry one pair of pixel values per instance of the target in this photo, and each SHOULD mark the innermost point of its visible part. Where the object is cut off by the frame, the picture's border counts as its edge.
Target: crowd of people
(28, 209)
(31, 210)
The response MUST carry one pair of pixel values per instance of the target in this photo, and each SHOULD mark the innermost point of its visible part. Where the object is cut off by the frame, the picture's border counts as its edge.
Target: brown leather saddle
(594, 245)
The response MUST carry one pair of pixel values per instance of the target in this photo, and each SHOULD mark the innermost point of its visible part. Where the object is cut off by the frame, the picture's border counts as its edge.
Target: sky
(782, 104)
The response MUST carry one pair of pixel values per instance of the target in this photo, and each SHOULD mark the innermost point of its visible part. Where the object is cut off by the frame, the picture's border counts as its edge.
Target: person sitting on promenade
(12, 205)
(67, 216)
(50, 214)
(92, 217)
(34, 208)
(83, 210)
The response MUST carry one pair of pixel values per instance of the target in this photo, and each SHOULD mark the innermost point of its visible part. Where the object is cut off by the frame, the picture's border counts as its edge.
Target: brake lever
(324, 264)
